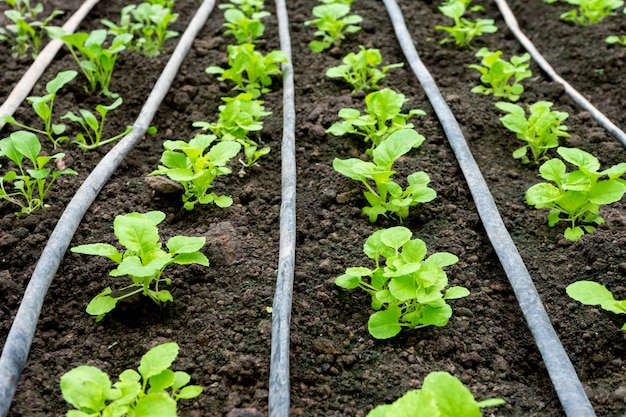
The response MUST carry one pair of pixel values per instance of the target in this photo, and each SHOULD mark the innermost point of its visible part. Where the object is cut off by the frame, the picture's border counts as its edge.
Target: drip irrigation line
(578, 98)
(566, 383)
(37, 68)
(17, 345)
(279, 391)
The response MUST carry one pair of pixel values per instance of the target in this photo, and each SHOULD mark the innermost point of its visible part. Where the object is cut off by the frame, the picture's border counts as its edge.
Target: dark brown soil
(219, 315)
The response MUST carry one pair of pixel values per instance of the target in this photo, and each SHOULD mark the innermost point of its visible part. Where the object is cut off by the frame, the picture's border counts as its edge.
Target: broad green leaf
(27, 144)
(395, 237)
(180, 379)
(542, 195)
(404, 287)
(155, 405)
(606, 192)
(173, 159)
(454, 293)
(374, 246)
(161, 381)
(136, 232)
(191, 391)
(615, 171)
(407, 406)
(451, 397)
(442, 259)
(553, 170)
(592, 293)
(60, 80)
(191, 258)
(133, 266)
(413, 251)
(102, 249)
(223, 201)
(158, 359)
(436, 316)
(185, 244)
(573, 233)
(579, 158)
(396, 145)
(385, 324)
(86, 388)
(101, 304)
(223, 152)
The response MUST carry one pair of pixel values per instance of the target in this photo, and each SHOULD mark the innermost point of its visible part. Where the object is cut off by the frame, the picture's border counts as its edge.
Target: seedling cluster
(589, 12)
(502, 77)
(333, 22)
(25, 34)
(464, 30)
(152, 390)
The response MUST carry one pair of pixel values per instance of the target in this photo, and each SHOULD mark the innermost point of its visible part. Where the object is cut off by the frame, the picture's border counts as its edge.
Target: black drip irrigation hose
(17, 345)
(597, 115)
(37, 68)
(566, 383)
(279, 394)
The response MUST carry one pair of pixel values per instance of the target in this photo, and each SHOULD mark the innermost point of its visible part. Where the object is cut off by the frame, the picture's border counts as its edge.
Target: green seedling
(248, 7)
(333, 23)
(407, 289)
(147, 23)
(238, 117)
(94, 59)
(619, 40)
(576, 195)
(464, 30)
(441, 395)
(189, 164)
(502, 76)
(150, 391)
(541, 131)
(386, 196)
(24, 7)
(243, 28)
(590, 12)
(25, 33)
(361, 70)
(31, 185)
(169, 4)
(93, 127)
(251, 71)
(143, 259)
(43, 107)
(382, 118)
(591, 293)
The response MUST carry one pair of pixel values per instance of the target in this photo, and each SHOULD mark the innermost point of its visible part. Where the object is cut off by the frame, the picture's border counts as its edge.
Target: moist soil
(219, 316)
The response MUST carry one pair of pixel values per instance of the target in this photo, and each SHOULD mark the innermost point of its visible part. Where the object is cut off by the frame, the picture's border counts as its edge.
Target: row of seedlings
(407, 288)
(193, 165)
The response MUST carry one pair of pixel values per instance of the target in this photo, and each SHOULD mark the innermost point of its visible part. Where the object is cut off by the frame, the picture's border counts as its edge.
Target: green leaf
(573, 233)
(155, 405)
(579, 158)
(436, 315)
(396, 145)
(403, 287)
(542, 195)
(592, 293)
(101, 304)
(442, 259)
(606, 192)
(60, 80)
(102, 249)
(385, 324)
(454, 293)
(137, 232)
(185, 244)
(161, 381)
(27, 144)
(449, 394)
(86, 388)
(395, 237)
(191, 258)
(191, 391)
(158, 359)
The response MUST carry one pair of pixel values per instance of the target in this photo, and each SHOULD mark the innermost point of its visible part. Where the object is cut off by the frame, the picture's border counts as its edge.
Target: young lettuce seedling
(169, 4)
(196, 169)
(243, 28)
(464, 30)
(93, 128)
(43, 107)
(31, 184)
(386, 195)
(590, 12)
(251, 71)
(361, 69)
(408, 289)
(333, 23)
(440, 393)
(153, 390)
(248, 7)
(147, 23)
(94, 59)
(238, 117)
(382, 118)
(143, 259)
(579, 194)
(502, 76)
(26, 33)
(541, 131)
(591, 293)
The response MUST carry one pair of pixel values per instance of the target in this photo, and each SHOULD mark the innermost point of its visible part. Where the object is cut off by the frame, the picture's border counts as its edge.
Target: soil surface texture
(219, 315)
